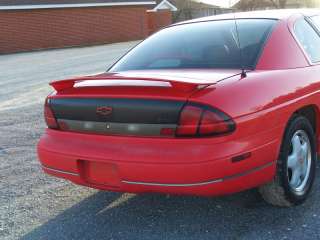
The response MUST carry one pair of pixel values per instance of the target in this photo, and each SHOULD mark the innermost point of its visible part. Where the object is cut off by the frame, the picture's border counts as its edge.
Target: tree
(279, 3)
(249, 5)
(184, 8)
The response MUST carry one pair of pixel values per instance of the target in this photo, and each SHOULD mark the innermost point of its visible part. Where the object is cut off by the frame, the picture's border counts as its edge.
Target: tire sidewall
(295, 124)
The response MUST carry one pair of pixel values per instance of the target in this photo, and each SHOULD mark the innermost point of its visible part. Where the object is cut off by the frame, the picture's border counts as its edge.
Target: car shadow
(106, 215)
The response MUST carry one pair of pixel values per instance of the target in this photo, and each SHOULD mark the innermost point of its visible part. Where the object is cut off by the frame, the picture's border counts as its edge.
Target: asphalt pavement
(36, 206)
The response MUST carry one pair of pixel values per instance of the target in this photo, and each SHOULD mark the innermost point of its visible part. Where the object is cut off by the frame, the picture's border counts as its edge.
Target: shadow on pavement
(124, 216)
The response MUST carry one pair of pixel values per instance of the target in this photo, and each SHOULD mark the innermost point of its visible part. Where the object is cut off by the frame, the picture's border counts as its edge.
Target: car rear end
(151, 124)
(151, 136)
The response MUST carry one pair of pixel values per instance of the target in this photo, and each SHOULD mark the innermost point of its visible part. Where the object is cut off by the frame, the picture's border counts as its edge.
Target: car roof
(281, 14)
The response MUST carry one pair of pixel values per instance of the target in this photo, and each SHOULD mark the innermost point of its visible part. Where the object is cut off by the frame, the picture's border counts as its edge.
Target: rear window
(211, 44)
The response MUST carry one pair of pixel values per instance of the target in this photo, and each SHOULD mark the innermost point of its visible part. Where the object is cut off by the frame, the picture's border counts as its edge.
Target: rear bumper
(175, 166)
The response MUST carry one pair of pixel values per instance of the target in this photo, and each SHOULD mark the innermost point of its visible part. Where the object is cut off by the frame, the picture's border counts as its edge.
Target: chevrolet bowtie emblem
(104, 111)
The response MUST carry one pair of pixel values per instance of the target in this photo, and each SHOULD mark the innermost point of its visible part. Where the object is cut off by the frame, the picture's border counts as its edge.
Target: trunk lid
(145, 103)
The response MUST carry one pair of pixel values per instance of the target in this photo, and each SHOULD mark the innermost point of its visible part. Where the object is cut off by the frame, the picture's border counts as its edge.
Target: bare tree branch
(282, 3)
(274, 3)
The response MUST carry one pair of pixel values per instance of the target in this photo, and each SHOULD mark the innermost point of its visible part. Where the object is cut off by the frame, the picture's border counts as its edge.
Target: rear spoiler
(183, 85)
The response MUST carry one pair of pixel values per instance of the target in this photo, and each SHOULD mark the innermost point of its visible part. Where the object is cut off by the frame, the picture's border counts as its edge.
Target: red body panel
(260, 104)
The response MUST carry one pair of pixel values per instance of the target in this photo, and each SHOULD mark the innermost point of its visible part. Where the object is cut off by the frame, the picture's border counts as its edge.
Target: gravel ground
(36, 206)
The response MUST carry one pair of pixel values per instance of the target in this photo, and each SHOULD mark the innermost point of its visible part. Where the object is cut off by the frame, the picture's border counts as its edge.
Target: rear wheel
(296, 166)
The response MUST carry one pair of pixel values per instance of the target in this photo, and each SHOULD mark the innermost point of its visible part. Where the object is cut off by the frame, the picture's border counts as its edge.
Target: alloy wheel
(299, 161)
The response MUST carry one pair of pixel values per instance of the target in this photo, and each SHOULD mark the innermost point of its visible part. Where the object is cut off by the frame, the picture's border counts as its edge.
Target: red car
(206, 107)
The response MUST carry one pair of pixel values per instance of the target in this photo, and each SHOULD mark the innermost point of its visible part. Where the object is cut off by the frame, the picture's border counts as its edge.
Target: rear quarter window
(316, 21)
(309, 39)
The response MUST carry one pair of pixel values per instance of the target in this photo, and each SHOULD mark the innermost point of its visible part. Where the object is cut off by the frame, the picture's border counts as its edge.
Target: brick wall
(25, 30)
(158, 20)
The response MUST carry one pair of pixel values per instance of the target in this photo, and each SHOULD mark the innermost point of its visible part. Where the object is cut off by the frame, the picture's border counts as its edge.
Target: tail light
(199, 120)
(49, 116)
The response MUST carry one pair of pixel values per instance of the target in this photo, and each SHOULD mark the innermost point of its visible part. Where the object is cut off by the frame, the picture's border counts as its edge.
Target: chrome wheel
(299, 161)
(296, 166)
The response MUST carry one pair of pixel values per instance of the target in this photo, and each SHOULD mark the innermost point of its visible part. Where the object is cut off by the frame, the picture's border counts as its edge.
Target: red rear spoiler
(183, 85)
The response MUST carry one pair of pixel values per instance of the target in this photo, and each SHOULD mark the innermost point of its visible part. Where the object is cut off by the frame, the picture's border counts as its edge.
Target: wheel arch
(312, 113)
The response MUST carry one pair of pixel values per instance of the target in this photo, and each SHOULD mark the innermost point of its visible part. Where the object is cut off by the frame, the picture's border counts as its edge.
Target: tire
(296, 166)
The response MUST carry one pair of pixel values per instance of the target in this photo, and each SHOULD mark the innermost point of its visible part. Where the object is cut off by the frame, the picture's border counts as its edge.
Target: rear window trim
(315, 28)
(313, 24)
(204, 21)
